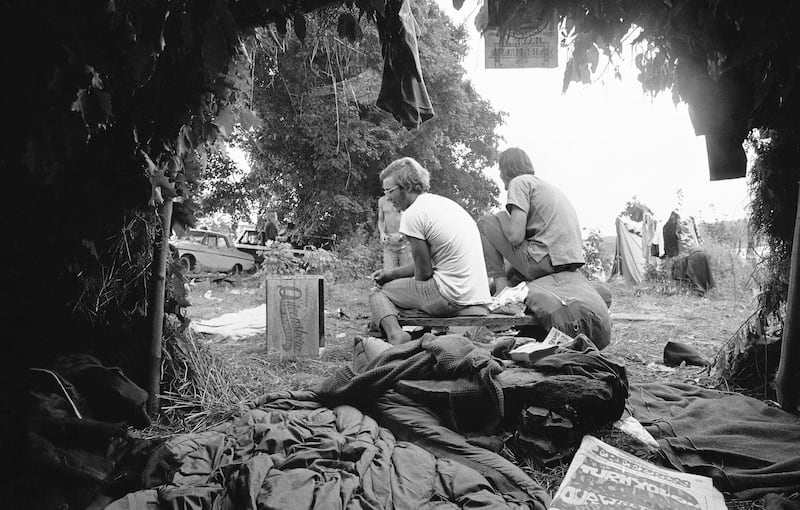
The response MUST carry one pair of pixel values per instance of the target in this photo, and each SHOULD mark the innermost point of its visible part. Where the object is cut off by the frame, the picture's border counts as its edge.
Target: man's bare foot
(398, 338)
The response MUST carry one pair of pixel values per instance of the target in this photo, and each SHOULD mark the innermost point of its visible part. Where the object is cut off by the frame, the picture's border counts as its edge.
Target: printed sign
(522, 47)
(295, 315)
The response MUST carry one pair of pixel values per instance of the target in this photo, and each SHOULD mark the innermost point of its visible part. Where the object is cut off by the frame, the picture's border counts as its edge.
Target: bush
(594, 269)
(357, 256)
(284, 260)
(725, 244)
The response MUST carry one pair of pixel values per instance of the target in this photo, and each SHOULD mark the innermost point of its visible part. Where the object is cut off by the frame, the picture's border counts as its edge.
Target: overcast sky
(602, 143)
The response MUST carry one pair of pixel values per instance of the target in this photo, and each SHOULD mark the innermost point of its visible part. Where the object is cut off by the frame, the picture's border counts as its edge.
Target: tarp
(628, 257)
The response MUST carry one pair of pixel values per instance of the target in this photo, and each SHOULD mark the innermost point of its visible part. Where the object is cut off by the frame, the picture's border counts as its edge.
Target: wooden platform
(493, 320)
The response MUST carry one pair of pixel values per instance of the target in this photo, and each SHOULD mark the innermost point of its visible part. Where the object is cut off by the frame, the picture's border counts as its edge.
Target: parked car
(251, 241)
(211, 251)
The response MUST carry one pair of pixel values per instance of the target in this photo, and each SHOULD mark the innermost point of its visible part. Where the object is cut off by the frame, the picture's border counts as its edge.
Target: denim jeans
(409, 294)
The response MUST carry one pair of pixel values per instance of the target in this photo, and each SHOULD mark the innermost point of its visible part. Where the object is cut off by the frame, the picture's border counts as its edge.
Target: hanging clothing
(403, 92)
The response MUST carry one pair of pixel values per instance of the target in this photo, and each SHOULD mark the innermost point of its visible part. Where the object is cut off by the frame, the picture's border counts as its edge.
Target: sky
(604, 143)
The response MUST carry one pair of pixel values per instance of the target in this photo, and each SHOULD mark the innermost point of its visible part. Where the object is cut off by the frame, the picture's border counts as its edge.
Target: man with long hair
(538, 231)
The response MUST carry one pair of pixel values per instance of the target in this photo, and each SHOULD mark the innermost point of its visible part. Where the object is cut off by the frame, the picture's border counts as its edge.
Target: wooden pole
(156, 310)
(787, 379)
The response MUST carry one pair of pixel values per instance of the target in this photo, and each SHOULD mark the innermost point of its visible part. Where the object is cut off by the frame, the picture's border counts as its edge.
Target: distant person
(680, 235)
(270, 230)
(396, 249)
(447, 273)
(538, 231)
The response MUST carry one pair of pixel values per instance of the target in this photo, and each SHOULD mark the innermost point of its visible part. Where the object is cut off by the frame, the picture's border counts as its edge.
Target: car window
(222, 242)
(196, 236)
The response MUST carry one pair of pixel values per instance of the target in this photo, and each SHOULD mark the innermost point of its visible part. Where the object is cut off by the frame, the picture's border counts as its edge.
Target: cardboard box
(295, 315)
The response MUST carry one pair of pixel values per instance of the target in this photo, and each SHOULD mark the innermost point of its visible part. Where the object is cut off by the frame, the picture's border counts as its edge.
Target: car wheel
(237, 270)
(186, 263)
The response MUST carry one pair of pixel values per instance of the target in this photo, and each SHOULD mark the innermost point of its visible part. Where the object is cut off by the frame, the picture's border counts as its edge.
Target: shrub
(282, 259)
(594, 269)
(358, 255)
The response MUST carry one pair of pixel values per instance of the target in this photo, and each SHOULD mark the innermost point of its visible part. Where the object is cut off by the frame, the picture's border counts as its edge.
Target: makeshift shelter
(629, 260)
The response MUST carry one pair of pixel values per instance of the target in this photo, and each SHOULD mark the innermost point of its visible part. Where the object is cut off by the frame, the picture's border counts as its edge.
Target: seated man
(538, 233)
(448, 271)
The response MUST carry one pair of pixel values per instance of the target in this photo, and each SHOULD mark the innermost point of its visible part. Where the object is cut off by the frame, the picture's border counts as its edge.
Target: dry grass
(655, 314)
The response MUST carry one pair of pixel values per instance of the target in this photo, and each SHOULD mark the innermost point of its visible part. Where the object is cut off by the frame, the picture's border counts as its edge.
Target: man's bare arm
(513, 225)
(421, 253)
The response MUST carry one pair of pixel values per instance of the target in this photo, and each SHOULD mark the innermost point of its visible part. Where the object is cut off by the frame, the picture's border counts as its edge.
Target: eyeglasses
(387, 191)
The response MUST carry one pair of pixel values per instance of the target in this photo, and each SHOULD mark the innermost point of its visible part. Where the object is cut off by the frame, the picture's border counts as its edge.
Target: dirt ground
(645, 318)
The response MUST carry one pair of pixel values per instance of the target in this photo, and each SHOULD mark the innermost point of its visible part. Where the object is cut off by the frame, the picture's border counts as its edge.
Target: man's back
(455, 244)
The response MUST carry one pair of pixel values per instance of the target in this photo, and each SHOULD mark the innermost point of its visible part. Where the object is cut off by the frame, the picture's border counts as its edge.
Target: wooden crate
(295, 315)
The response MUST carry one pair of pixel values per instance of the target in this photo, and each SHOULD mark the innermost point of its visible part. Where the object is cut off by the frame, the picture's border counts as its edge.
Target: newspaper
(601, 477)
(533, 351)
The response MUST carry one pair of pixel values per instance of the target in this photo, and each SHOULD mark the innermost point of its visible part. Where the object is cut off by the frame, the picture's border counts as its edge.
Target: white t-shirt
(459, 269)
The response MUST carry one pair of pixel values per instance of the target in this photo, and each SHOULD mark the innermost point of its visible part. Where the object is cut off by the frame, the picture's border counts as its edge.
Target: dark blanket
(293, 453)
(747, 447)
(695, 270)
(430, 357)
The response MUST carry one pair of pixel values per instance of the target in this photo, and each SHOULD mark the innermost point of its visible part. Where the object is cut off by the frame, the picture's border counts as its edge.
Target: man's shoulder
(526, 180)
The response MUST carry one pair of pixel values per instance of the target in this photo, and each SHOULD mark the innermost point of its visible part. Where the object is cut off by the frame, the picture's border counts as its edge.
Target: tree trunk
(787, 380)
(156, 310)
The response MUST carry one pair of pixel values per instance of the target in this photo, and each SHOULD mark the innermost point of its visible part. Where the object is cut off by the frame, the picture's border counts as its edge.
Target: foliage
(218, 188)
(282, 259)
(121, 101)
(321, 147)
(773, 186)
(594, 268)
(731, 233)
(634, 209)
(358, 256)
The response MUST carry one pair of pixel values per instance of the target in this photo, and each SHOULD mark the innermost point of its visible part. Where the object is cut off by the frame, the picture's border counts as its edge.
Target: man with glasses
(396, 251)
(447, 273)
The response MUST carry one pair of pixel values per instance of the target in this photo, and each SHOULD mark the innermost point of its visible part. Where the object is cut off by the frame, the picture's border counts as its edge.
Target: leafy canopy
(322, 144)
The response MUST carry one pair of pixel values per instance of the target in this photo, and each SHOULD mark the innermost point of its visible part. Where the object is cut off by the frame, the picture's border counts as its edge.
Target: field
(645, 318)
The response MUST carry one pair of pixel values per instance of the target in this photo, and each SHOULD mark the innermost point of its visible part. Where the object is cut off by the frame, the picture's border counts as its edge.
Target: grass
(654, 313)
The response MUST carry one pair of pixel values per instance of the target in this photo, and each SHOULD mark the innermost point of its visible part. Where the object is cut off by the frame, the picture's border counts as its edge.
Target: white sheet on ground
(241, 324)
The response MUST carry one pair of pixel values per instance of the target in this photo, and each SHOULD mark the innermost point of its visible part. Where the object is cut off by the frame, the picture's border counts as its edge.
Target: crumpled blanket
(293, 453)
(747, 447)
(429, 357)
